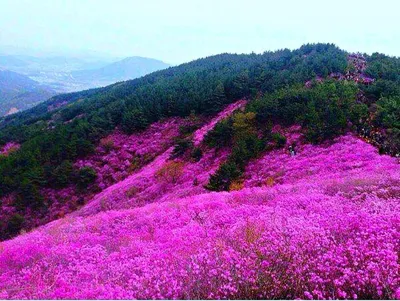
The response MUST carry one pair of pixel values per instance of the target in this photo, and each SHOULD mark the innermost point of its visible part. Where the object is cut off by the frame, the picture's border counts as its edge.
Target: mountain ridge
(125, 69)
(19, 92)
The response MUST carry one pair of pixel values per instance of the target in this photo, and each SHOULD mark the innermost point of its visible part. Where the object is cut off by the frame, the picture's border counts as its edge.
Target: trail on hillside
(143, 187)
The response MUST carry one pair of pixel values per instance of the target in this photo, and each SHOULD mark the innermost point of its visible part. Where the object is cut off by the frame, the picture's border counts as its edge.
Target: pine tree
(217, 100)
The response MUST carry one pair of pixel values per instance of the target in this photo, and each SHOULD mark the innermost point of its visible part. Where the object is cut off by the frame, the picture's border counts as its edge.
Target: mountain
(19, 92)
(256, 176)
(128, 68)
(53, 71)
(68, 74)
(30, 65)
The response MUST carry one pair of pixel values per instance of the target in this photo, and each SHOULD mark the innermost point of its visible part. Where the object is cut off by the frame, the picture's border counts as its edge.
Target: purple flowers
(9, 148)
(323, 224)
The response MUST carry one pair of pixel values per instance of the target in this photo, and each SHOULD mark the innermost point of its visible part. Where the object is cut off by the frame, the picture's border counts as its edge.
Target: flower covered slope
(113, 161)
(324, 223)
(145, 186)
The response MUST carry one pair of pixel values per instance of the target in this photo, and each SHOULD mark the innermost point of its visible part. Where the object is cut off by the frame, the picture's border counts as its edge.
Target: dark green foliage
(323, 110)
(85, 177)
(133, 121)
(245, 145)
(241, 85)
(280, 140)
(388, 114)
(196, 154)
(381, 66)
(225, 175)
(14, 225)
(61, 175)
(221, 135)
(187, 129)
(246, 149)
(68, 126)
(28, 196)
(180, 148)
(216, 100)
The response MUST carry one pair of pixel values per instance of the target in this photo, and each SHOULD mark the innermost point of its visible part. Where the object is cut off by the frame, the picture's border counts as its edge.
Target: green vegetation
(181, 147)
(245, 143)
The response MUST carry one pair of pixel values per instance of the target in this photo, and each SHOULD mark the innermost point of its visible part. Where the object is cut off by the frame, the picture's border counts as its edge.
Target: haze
(179, 31)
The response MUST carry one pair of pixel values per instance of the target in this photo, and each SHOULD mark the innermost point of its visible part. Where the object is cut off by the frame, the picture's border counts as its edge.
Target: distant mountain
(30, 65)
(128, 68)
(19, 92)
(69, 74)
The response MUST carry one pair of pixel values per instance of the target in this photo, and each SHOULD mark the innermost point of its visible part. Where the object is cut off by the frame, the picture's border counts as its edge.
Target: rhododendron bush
(326, 226)
(9, 148)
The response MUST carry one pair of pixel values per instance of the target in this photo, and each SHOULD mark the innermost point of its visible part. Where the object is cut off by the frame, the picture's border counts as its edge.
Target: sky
(178, 31)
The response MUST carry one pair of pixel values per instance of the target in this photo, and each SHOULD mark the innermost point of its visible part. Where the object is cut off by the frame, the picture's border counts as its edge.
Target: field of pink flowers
(326, 226)
(323, 224)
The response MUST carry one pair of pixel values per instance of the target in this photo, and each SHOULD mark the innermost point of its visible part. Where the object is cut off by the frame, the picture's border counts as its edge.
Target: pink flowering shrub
(9, 148)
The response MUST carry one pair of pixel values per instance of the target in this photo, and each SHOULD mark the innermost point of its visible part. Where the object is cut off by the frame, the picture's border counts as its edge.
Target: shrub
(107, 143)
(85, 177)
(131, 192)
(29, 196)
(139, 160)
(280, 140)
(221, 135)
(196, 154)
(61, 175)
(14, 225)
(236, 185)
(170, 172)
(224, 176)
(134, 120)
(180, 148)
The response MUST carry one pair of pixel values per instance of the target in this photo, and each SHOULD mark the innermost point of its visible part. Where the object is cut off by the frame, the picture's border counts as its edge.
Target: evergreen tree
(133, 121)
(216, 101)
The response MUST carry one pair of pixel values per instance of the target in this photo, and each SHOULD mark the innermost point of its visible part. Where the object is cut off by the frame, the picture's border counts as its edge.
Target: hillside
(315, 232)
(128, 68)
(233, 176)
(18, 92)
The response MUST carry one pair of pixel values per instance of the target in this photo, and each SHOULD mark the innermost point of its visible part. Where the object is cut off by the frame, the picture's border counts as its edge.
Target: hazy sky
(181, 30)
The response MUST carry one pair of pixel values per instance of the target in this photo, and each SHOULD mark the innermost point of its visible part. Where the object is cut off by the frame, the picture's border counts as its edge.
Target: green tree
(225, 175)
(85, 177)
(216, 101)
(133, 121)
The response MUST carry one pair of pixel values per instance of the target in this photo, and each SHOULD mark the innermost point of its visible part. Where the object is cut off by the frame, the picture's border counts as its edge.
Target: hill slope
(19, 92)
(234, 176)
(128, 68)
(318, 234)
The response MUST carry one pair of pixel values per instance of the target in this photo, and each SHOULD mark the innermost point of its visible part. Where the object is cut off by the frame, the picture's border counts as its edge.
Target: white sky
(177, 31)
